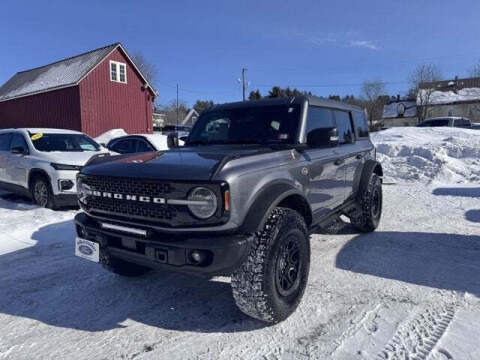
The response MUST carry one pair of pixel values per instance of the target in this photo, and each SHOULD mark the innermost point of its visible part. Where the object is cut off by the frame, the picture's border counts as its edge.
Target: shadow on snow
(458, 191)
(473, 215)
(443, 261)
(48, 283)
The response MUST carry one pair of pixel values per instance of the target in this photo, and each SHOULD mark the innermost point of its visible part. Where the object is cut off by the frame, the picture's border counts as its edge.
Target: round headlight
(203, 202)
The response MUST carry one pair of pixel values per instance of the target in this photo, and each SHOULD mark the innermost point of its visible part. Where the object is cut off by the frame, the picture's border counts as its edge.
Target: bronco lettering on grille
(129, 197)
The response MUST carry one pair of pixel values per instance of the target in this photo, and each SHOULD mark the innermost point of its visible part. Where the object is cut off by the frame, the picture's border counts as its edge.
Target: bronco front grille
(123, 209)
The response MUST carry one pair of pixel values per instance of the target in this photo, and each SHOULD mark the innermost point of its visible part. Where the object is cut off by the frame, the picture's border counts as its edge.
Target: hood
(196, 163)
(71, 158)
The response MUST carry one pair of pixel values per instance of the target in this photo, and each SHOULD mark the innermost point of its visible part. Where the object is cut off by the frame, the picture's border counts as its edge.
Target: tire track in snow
(416, 338)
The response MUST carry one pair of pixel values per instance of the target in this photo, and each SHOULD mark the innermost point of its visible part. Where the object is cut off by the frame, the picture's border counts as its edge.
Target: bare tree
(170, 111)
(420, 89)
(475, 70)
(147, 68)
(371, 93)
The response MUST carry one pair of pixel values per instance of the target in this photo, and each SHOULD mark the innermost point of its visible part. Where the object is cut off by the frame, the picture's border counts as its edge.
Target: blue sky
(327, 47)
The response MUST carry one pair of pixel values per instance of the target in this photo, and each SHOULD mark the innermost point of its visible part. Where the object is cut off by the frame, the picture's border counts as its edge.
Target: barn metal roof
(57, 75)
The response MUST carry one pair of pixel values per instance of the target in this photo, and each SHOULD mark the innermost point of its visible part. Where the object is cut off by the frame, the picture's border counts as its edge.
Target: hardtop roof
(312, 100)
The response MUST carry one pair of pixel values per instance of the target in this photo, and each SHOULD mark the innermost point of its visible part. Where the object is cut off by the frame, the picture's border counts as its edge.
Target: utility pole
(177, 104)
(244, 83)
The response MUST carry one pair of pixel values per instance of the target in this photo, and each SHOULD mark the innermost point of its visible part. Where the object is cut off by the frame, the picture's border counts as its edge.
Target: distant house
(400, 113)
(159, 118)
(457, 97)
(191, 117)
(92, 92)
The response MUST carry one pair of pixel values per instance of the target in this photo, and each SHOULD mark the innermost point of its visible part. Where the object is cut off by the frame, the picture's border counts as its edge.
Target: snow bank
(109, 135)
(447, 155)
(446, 97)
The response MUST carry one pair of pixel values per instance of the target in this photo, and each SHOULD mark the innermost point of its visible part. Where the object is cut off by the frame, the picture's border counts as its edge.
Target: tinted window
(462, 122)
(360, 123)
(243, 125)
(439, 122)
(5, 142)
(63, 142)
(18, 141)
(344, 127)
(126, 146)
(143, 146)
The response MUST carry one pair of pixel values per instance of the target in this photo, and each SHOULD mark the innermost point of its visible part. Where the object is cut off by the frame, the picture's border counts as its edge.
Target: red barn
(92, 92)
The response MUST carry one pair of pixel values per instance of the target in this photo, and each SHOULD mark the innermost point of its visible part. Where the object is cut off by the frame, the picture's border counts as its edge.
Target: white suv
(43, 163)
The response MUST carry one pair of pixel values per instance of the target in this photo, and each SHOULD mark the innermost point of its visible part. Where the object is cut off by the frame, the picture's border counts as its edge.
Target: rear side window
(439, 122)
(143, 146)
(126, 146)
(361, 125)
(5, 142)
(344, 127)
(18, 141)
(462, 122)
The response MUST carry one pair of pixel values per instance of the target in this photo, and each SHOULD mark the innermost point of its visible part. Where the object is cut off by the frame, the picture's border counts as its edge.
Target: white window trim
(118, 64)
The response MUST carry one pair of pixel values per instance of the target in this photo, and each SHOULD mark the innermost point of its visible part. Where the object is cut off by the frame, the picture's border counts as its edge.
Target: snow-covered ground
(411, 290)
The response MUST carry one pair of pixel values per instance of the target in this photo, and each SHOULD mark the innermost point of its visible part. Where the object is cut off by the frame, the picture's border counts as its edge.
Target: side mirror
(172, 140)
(18, 150)
(183, 138)
(324, 137)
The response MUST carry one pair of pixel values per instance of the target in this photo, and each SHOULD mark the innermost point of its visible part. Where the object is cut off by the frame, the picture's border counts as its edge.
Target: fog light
(81, 231)
(65, 184)
(198, 256)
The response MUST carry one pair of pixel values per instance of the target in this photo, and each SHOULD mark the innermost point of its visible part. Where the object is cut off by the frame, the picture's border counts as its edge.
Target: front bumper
(158, 250)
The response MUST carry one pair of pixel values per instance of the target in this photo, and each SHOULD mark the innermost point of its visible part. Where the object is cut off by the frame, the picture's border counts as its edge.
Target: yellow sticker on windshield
(36, 136)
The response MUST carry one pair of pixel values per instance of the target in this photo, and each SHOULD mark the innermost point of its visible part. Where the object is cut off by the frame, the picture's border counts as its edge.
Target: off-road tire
(121, 267)
(42, 193)
(367, 218)
(255, 285)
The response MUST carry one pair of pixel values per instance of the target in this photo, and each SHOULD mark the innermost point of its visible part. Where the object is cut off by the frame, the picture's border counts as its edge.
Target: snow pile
(446, 97)
(447, 155)
(109, 135)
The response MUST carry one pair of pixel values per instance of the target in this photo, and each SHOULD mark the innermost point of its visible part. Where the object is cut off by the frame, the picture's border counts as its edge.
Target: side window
(360, 123)
(143, 146)
(18, 141)
(462, 122)
(344, 127)
(125, 146)
(5, 142)
(318, 121)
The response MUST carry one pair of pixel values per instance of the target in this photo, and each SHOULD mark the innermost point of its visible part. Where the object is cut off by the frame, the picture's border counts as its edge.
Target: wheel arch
(38, 172)
(273, 195)
(370, 167)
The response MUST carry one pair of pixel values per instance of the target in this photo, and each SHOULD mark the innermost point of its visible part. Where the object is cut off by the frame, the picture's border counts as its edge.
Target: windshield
(63, 142)
(251, 125)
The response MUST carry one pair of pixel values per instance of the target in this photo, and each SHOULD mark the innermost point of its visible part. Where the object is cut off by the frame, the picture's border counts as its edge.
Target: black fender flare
(38, 172)
(268, 198)
(370, 167)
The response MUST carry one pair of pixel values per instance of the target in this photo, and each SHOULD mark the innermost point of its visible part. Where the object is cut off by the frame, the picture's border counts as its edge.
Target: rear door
(326, 186)
(348, 151)
(4, 152)
(17, 164)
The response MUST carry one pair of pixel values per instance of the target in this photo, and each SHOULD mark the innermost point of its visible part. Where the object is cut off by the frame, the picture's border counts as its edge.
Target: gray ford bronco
(239, 199)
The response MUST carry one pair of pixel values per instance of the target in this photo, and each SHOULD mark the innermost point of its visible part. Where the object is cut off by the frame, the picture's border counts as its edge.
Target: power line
(334, 85)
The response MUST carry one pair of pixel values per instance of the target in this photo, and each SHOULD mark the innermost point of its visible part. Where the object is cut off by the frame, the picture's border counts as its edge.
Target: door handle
(339, 162)
(359, 156)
